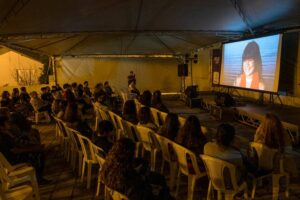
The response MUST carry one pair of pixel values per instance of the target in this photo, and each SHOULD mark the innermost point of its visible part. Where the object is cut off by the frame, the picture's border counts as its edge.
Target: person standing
(131, 78)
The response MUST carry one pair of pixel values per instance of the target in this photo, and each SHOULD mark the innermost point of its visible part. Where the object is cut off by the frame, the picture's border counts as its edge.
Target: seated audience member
(133, 91)
(98, 91)
(129, 176)
(146, 97)
(108, 90)
(191, 135)
(272, 134)
(86, 89)
(171, 127)
(62, 109)
(5, 100)
(24, 95)
(69, 96)
(15, 96)
(119, 173)
(19, 149)
(223, 148)
(157, 102)
(38, 104)
(104, 135)
(129, 112)
(74, 88)
(145, 119)
(74, 119)
(46, 95)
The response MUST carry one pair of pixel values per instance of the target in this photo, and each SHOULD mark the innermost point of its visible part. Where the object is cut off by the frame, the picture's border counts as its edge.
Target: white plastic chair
(63, 136)
(223, 177)
(39, 115)
(156, 116)
(184, 156)
(267, 158)
(23, 192)
(117, 122)
(104, 115)
(181, 121)
(144, 136)
(138, 105)
(163, 116)
(88, 158)
(130, 132)
(75, 149)
(168, 155)
(99, 156)
(111, 194)
(17, 174)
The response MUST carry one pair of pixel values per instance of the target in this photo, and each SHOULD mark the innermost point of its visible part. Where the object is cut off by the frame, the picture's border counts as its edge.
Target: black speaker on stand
(182, 73)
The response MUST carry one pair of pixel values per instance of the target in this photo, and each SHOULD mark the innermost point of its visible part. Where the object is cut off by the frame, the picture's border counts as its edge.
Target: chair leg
(219, 195)
(162, 167)
(98, 184)
(83, 170)
(173, 170)
(229, 196)
(253, 189)
(89, 175)
(80, 161)
(246, 192)
(287, 181)
(35, 186)
(209, 191)
(191, 187)
(177, 184)
(275, 180)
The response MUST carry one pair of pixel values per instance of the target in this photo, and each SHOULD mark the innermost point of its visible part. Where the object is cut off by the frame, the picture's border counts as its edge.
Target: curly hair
(118, 167)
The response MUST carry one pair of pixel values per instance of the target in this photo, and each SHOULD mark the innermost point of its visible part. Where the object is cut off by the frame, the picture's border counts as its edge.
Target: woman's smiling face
(248, 66)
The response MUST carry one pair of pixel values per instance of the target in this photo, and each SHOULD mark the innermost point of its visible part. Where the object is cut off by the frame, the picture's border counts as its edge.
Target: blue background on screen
(232, 60)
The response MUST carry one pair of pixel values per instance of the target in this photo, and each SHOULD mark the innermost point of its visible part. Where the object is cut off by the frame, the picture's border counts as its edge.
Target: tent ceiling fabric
(85, 27)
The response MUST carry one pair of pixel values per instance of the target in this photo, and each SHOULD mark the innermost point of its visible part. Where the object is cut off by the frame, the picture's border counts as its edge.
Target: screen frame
(277, 70)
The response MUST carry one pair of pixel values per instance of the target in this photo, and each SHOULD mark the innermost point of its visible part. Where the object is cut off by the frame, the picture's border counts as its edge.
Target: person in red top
(250, 76)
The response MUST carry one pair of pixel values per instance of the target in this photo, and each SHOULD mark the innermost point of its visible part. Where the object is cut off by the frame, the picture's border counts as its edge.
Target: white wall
(10, 62)
(151, 73)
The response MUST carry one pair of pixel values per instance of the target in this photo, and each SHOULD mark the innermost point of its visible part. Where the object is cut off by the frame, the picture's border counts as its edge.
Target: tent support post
(54, 69)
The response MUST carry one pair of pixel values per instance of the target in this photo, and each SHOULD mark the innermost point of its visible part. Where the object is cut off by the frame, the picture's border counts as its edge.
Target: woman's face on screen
(248, 66)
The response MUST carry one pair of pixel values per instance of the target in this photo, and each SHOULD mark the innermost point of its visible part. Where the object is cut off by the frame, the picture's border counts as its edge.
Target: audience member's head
(18, 120)
(74, 85)
(86, 83)
(156, 98)
(225, 135)
(15, 92)
(5, 95)
(129, 108)
(23, 90)
(71, 114)
(171, 126)
(105, 128)
(192, 126)
(144, 115)
(33, 94)
(146, 98)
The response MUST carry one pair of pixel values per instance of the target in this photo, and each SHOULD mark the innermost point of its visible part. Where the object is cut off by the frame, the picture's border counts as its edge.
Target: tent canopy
(126, 27)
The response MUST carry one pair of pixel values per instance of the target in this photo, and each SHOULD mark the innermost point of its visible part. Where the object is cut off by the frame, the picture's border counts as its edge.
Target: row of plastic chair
(82, 149)
(20, 174)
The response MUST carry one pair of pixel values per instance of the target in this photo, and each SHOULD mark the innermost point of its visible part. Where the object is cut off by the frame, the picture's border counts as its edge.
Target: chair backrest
(60, 126)
(266, 156)
(130, 130)
(5, 167)
(187, 160)
(222, 174)
(163, 116)
(73, 135)
(144, 137)
(86, 147)
(181, 121)
(104, 115)
(99, 154)
(115, 195)
(165, 147)
(138, 105)
(156, 116)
